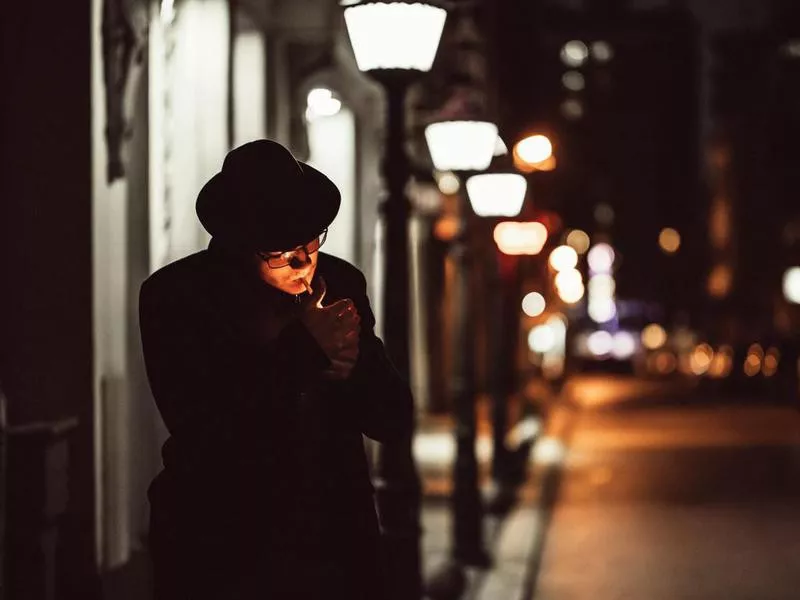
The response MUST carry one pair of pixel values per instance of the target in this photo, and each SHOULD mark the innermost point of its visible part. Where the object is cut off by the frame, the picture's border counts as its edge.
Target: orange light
(446, 227)
(534, 153)
(720, 281)
(669, 240)
(515, 238)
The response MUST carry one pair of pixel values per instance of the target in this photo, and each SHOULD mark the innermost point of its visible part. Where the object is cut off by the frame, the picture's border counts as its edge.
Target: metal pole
(397, 481)
(499, 387)
(507, 466)
(468, 548)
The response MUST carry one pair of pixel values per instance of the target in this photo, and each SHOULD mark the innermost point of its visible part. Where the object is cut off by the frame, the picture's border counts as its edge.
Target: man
(262, 359)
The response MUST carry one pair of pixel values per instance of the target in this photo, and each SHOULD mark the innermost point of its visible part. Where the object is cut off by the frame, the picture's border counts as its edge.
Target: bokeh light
(722, 363)
(624, 345)
(579, 240)
(604, 214)
(791, 285)
(534, 149)
(602, 51)
(601, 258)
(568, 279)
(669, 240)
(573, 81)
(720, 281)
(600, 343)
(563, 258)
(602, 310)
(701, 358)
(602, 286)
(572, 108)
(448, 182)
(654, 336)
(541, 338)
(533, 304)
(574, 53)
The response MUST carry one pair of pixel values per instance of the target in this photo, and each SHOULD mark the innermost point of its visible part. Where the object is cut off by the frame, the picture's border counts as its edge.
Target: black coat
(265, 491)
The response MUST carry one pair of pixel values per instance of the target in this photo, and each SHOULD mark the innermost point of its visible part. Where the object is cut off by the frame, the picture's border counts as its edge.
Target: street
(672, 497)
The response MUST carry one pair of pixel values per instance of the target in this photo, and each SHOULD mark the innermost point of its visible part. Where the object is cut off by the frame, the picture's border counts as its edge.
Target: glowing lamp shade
(394, 35)
(791, 285)
(461, 145)
(520, 238)
(497, 194)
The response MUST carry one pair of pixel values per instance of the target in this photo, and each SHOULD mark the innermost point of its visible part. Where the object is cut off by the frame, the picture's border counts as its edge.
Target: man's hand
(335, 328)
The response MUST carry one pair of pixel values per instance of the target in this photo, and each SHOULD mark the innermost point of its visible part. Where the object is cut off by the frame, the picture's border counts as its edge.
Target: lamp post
(381, 35)
(494, 195)
(462, 147)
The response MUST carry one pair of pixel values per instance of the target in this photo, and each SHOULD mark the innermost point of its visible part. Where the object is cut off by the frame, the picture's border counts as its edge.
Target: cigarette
(307, 285)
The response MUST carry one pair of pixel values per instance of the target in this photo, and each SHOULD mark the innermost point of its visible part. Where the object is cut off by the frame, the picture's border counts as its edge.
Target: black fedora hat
(263, 198)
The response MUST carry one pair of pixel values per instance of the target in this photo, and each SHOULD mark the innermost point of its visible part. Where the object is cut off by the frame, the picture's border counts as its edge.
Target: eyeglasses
(297, 257)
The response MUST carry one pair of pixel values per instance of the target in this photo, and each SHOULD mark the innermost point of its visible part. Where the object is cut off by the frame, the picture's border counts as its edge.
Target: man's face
(286, 270)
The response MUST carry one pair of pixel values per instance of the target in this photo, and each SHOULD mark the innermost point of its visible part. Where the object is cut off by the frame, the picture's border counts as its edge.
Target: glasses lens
(284, 259)
(276, 262)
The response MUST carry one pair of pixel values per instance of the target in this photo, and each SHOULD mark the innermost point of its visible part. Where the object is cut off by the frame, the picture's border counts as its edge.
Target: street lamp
(394, 43)
(495, 195)
(462, 147)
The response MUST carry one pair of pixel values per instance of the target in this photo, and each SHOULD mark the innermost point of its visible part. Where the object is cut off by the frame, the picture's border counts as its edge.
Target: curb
(521, 540)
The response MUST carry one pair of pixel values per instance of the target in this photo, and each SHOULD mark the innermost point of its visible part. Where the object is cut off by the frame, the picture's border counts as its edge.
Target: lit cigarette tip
(307, 285)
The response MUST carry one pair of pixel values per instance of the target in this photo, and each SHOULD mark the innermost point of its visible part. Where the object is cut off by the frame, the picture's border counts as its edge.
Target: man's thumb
(319, 292)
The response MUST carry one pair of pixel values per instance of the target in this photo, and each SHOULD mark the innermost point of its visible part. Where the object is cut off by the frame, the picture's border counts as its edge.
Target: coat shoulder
(180, 276)
(333, 267)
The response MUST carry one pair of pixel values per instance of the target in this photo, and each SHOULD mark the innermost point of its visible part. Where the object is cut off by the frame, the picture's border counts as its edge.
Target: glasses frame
(270, 258)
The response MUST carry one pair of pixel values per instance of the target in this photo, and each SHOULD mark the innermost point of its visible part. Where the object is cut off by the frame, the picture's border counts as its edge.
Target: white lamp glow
(381, 34)
(515, 239)
(497, 194)
(791, 285)
(461, 145)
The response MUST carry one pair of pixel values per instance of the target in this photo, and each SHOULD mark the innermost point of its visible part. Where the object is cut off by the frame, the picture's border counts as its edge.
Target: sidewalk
(513, 540)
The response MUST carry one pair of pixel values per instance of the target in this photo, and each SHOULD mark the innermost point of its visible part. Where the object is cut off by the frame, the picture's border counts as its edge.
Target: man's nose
(300, 259)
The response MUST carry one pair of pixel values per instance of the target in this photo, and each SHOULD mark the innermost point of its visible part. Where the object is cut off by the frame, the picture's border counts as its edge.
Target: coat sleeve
(382, 397)
(212, 388)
